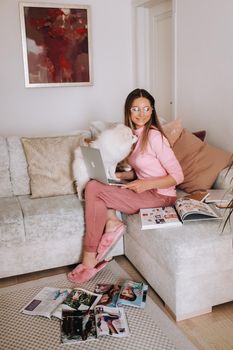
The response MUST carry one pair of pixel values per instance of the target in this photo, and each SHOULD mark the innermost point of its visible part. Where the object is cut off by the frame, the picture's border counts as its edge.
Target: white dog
(114, 143)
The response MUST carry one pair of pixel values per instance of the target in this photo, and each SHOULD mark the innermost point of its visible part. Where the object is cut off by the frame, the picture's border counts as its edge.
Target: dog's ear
(97, 126)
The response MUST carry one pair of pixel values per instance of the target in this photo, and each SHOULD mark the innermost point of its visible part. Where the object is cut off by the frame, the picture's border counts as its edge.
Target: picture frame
(56, 44)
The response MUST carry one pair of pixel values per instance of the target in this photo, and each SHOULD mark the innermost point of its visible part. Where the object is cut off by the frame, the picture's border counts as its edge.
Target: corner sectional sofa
(190, 267)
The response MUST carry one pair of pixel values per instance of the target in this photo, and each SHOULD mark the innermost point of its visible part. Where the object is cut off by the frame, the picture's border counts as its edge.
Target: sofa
(190, 267)
(42, 221)
(43, 228)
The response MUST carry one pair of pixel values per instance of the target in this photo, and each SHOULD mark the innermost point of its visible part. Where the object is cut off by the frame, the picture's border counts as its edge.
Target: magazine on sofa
(159, 217)
(221, 198)
(185, 210)
(51, 301)
(78, 326)
(192, 210)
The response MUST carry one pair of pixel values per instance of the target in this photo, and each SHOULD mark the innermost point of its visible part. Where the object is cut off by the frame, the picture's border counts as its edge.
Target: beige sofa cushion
(5, 183)
(18, 166)
(201, 162)
(50, 164)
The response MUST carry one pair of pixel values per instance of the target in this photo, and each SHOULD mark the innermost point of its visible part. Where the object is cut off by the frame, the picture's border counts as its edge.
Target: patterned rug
(149, 328)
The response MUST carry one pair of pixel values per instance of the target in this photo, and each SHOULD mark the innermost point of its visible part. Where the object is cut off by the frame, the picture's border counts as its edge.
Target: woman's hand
(149, 184)
(138, 186)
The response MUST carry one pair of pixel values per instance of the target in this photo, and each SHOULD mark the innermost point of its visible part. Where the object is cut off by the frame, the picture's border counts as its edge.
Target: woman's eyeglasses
(137, 110)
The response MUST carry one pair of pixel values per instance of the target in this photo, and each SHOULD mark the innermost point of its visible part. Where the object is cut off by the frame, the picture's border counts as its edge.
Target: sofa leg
(181, 317)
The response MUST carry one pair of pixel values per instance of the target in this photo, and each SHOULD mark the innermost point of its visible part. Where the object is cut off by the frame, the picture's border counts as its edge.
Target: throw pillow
(172, 131)
(201, 162)
(50, 164)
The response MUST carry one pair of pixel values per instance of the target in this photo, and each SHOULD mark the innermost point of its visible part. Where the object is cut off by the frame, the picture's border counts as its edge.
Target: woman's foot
(89, 259)
(113, 232)
(82, 273)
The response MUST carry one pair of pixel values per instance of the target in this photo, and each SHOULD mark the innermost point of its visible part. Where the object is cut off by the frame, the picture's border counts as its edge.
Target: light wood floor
(213, 331)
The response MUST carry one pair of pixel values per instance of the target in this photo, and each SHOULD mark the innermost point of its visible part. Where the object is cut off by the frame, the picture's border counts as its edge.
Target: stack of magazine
(87, 315)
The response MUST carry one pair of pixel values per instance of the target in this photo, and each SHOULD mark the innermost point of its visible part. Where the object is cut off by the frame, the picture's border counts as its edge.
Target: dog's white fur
(114, 143)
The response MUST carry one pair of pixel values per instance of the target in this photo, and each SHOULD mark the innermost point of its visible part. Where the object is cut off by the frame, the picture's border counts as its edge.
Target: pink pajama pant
(100, 197)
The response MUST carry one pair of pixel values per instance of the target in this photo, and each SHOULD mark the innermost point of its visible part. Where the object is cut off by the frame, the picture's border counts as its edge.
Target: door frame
(142, 53)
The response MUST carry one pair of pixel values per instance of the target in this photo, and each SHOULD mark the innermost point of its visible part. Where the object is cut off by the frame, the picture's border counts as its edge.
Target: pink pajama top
(158, 159)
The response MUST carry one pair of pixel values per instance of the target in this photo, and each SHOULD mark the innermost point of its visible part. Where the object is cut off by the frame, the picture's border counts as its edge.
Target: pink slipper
(108, 240)
(83, 273)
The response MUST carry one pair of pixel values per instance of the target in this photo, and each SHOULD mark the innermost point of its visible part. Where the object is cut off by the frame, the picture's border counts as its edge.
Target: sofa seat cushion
(192, 249)
(11, 221)
(52, 217)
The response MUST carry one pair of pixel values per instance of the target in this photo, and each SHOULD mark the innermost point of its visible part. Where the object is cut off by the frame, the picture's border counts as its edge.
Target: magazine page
(198, 195)
(191, 209)
(159, 217)
(77, 326)
(111, 321)
(78, 299)
(45, 302)
(132, 294)
(109, 293)
(221, 198)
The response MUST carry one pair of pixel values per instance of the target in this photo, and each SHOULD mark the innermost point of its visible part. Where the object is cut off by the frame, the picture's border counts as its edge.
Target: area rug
(150, 328)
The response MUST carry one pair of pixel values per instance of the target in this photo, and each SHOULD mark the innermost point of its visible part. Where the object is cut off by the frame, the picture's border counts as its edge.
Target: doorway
(154, 53)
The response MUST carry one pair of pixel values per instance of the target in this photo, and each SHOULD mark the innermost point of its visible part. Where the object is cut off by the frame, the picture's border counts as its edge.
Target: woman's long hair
(152, 123)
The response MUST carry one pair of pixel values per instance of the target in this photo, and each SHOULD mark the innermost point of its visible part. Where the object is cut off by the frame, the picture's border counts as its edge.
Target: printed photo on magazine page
(133, 294)
(111, 321)
(78, 299)
(109, 293)
(77, 326)
(159, 217)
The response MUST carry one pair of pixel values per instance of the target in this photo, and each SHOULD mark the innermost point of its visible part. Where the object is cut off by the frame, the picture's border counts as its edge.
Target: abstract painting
(56, 45)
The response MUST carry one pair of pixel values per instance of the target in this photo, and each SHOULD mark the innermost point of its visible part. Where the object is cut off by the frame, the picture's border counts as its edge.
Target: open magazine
(159, 217)
(185, 209)
(79, 326)
(191, 210)
(51, 301)
(133, 294)
(109, 293)
(219, 197)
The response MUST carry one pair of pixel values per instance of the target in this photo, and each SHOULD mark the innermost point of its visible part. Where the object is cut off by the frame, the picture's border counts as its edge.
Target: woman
(155, 174)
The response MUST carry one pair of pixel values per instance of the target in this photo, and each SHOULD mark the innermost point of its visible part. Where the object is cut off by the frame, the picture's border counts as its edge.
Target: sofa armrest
(224, 179)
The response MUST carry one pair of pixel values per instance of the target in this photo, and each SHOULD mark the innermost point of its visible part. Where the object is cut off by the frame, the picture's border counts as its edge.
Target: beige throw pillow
(173, 130)
(50, 164)
(201, 162)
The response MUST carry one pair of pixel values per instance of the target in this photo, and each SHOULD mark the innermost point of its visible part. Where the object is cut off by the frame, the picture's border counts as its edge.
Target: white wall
(37, 111)
(204, 72)
(205, 68)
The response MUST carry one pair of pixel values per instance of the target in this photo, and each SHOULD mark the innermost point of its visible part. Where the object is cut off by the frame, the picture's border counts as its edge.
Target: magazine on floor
(133, 294)
(78, 299)
(46, 301)
(109, 293)
(78, 326)
(51, 301)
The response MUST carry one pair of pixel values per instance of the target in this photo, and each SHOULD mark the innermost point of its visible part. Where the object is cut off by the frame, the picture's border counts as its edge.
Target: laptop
(95, 166)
